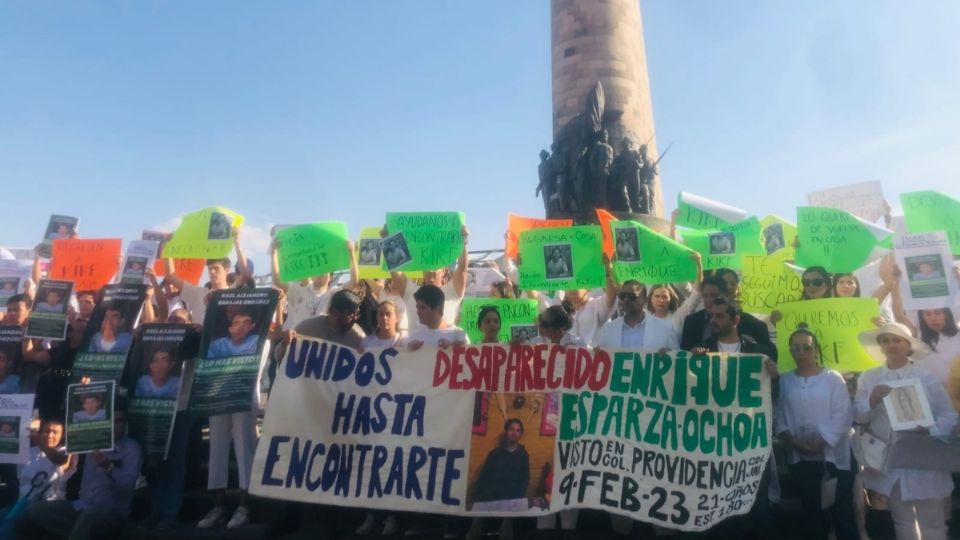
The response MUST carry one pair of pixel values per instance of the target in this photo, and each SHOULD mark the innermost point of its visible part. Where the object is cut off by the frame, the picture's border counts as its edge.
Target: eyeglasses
(801, 348)
(628, 296)
(815, 282)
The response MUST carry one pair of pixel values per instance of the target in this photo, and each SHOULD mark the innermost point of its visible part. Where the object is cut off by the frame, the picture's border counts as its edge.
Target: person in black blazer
(696, 327)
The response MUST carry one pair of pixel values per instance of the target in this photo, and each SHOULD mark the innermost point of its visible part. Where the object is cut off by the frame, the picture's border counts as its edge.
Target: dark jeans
(58, 519)
(168, 476)
(816, 522)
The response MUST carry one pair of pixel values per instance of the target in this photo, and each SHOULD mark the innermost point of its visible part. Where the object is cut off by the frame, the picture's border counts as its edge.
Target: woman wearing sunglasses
(813, 417)
(816, 284)
(915, 496)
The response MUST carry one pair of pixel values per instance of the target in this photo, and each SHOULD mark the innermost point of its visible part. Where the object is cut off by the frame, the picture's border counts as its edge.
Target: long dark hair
(838, 277)
(930, 336)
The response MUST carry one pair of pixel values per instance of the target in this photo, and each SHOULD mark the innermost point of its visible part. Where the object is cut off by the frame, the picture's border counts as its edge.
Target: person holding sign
(112, 337)
(915, 496)
(813, 416)
(696, 326)
(45, 476)
(634, 330)
(106, 493)
(453, 287)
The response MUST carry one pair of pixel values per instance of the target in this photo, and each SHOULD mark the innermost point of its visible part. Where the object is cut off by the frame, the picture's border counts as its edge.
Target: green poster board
(430, 240)
(312, 249)
(513, 311)
(642, 254)
(833, 239)
(725, 248)
(562, 258)
(836, 322)
(928, 211)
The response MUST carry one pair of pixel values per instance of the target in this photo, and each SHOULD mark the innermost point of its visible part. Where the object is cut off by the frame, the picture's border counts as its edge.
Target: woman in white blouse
(813, 416)
(915, 496)
(388, 334)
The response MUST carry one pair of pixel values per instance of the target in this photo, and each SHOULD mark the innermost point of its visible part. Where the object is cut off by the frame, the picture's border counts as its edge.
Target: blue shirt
(225, 347)
(115, 490)
(146, 388)
(10, 385)
(120, 346)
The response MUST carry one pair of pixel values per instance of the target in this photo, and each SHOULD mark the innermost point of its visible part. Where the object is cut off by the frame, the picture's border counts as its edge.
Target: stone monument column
(602, 40)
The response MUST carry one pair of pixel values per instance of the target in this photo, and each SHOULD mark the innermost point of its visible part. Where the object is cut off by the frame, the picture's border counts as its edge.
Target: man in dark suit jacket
(696, 327)
(725, 317)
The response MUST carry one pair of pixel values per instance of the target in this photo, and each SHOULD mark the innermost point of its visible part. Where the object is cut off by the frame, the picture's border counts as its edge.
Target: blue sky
(130, 114)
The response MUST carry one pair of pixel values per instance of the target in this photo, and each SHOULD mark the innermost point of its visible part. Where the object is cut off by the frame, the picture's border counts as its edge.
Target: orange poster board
(188, 269)
(517, 224)
(605, 218)
(88, 263)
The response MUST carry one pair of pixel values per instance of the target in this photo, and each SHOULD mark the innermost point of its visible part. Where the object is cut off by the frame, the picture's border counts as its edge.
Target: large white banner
(521, 430)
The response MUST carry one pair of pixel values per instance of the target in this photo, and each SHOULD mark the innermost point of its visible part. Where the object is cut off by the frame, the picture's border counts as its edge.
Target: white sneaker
(241, 516)
(367, 526)
(390, 526)
(213, 518)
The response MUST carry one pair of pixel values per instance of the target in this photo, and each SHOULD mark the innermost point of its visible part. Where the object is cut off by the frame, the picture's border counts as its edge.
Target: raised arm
(354, 268)
(275, 267)
(460, 274)
(611, 284)
(243, 270)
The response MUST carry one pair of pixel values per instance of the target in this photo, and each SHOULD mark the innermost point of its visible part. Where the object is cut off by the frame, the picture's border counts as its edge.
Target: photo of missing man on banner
(89, 407)
(51, 299)
(238, 330)
(134, 268)
(628, 246)
(160, 373)
(9, 434)
(773, 238)
(220, 225)
(114, 322)
(510, 461)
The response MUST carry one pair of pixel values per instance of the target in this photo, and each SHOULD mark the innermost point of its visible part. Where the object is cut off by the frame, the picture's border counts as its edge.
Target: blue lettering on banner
(339, 468)
(331, 362)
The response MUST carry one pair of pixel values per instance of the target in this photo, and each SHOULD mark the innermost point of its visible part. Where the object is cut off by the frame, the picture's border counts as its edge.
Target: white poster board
(928, 279)
(15, 413)
(907, 405)
(864, 200)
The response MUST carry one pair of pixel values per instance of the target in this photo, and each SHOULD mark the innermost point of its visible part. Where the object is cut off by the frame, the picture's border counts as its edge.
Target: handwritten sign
(928, 211)
(433, 239)
(89, 264)
(836, 240)
(312, 249)
(204, 234)
(768, 282)
(643, 254)
(837, 322)
(561, 258)
(517, 224)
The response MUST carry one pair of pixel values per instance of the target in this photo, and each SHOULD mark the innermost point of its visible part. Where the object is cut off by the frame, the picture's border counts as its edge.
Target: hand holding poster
(312, 249)
(16, 410)
(837, 323)
(649, 257)
(48, 318)
(109, 334)
(204, 234)
(727, 247)
(672, 440)
(927, 211)
(513, 312)
(58, 228)
(141, 255)
(190, 270)
(767, 282)
(157, 367)
(89, 264)
(864, 200)
(701, 213)
(779, 235)
(517, 224)
(836, 240)
(423, 241)
(561, 258)
(231, 352)
(90, 417)
(929, 280)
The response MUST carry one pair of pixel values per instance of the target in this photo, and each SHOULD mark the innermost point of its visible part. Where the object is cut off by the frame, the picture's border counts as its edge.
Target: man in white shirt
(453, 290)
(240, 428)
(434, 331)
(634, 330)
